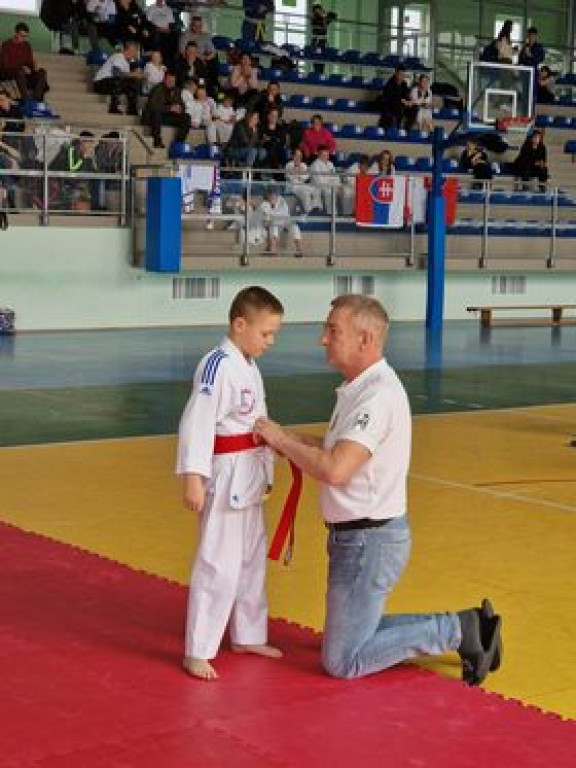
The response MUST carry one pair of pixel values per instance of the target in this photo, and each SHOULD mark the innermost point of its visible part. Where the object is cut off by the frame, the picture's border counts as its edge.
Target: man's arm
(334, 466)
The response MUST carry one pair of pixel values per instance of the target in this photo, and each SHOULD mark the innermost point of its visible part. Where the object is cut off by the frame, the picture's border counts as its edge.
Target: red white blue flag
(380, 201)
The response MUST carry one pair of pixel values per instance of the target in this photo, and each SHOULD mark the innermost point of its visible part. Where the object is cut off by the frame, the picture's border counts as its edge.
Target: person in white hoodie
(325, 178)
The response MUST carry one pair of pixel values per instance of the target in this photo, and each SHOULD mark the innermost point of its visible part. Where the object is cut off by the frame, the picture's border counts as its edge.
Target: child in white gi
(226, 482)
(276, 219)
(325, 178)
(220, 130)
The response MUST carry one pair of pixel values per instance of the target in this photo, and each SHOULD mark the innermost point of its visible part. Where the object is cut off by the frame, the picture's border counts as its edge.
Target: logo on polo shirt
(362, 421)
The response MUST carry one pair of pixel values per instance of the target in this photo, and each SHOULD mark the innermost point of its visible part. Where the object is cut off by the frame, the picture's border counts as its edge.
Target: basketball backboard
(496, 92)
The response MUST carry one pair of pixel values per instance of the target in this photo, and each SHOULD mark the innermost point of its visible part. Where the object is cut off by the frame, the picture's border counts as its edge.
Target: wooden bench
(556, 318)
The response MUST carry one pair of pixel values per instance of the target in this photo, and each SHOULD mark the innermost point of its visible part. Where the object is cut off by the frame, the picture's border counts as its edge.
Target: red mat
(90, 676)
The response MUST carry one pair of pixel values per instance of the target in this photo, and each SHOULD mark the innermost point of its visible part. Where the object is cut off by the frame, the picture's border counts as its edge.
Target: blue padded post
(436, 238)
(163, 224)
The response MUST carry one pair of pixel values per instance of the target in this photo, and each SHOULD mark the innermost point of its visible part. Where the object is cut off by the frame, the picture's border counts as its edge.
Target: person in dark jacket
(165, 107)
(474, 160)
(319, 22)
(254, 24)
(394, 100)
(189, 65)
(272, 142)
(531, 162)
(242, 148)
(268, 98)
(77, 157)
(131, 23)
(532, 52)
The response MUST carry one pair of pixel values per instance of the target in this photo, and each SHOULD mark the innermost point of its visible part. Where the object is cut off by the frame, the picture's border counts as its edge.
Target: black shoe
(114, 109)
(159, 144)
(476, 656)
(485, 614)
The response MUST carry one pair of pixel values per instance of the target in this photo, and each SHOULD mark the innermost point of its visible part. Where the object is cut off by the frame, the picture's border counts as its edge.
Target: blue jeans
(364, 566)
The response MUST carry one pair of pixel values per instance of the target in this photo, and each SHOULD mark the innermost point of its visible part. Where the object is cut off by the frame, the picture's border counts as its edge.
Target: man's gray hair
(368, 313)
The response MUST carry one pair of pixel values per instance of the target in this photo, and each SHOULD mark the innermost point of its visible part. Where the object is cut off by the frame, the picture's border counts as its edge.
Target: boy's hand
(194, 493)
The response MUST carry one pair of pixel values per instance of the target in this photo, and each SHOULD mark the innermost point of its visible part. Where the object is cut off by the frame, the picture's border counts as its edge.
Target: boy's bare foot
(200, 668)
(260, 650)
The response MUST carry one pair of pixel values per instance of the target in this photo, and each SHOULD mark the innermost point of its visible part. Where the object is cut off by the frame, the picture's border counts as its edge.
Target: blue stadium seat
(350, 131)
(449, 165)
(334, 128)
(246, 46)
(38, 109)
(333, 54)
(224, 69)
(345, 105)
(352, 56)
(543, 121)
(371, 59)
(180, 150)
(377, 83)
(374, 132)
(222, 43)
(423, 164)
(299, 100)
(294, 50)
(570, 147)
(391, 60)
(335, 79)
(96, 58)
(321, 102)
(562, 121)
(314, 78)
(404, 163)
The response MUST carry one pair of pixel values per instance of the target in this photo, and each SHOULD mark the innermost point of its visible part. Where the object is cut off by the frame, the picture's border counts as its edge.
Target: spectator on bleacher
(504, 48)
(325, 178)
(244, 82)
(272, 141)
(220, 130)
(545, 86)
(394, 100)
(154, 71)
(276, 219)
(189, 65)
(200, 108)
(254, 24)
(196, 34)
(531, 162)
(297, 181)
(362, 167)
(242, 149)
(10, 109)
(17, 63)
(131, 23)
(165, 107)
(101, 15)
(116, 78)
(163, 35)
(315, 137)
(384, 163)
(419, 113)
(320, 20)
(77, 157)
(109, 156)
(267, 98)
(74, 22)
(532, 52)
(474, 160)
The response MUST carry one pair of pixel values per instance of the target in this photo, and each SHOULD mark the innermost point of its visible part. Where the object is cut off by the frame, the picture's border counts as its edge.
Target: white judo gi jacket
(227, 398)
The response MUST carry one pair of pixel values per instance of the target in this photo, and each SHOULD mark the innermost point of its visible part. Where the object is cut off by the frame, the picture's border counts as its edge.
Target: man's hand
(194, 493)
(271, 432)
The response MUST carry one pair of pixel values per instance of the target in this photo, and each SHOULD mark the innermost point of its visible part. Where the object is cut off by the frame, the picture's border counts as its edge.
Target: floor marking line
(490, 492)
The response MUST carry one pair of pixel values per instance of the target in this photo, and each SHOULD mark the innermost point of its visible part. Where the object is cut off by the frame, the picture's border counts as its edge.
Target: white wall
(70, 278)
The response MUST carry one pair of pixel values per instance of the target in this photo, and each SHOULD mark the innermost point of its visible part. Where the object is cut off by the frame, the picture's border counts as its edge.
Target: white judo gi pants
(228, 581)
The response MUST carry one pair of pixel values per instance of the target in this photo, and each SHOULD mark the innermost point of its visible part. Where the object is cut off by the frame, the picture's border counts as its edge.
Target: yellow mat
(492, 505)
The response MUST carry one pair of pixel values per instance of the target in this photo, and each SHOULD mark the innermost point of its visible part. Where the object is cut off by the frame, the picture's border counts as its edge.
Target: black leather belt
(357, 525)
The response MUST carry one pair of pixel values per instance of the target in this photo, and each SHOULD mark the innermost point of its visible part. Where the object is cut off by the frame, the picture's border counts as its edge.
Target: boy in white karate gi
(226, 474)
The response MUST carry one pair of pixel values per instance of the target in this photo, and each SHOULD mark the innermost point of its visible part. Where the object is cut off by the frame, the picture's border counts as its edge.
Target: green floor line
(85, 413)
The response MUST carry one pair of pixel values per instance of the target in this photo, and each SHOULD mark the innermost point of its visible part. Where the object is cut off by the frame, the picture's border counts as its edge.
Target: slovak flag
(380, 201)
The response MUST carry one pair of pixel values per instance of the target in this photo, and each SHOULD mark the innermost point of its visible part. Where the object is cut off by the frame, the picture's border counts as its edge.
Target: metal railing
(238, 227)
(52, 170)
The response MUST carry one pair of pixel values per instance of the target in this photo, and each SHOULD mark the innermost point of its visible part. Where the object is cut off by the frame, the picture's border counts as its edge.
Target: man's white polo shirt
(372, 410)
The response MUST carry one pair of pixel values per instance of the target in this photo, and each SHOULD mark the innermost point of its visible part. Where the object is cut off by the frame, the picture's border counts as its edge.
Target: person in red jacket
(17, 63)
(316, 136)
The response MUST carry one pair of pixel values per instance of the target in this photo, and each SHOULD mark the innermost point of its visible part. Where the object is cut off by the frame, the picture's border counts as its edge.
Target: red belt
(285, 527)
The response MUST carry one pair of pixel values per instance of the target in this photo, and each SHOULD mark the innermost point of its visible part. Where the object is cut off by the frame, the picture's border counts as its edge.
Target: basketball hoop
(519, 124)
